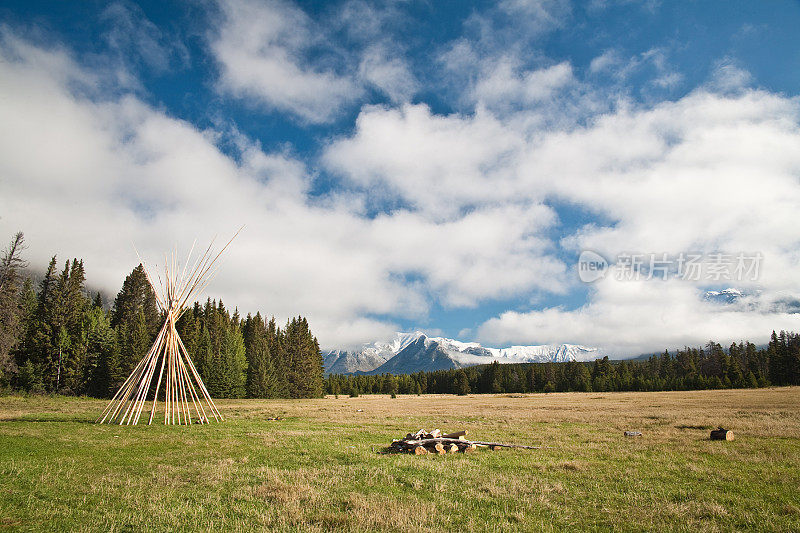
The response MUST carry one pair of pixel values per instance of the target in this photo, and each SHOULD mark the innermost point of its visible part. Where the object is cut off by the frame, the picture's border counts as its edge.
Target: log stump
(721, 434)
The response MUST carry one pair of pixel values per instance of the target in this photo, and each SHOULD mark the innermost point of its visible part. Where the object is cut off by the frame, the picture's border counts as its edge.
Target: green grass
(319, 468)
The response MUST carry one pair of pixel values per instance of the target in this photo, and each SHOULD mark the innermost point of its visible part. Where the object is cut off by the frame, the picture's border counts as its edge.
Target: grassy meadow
(319, 467)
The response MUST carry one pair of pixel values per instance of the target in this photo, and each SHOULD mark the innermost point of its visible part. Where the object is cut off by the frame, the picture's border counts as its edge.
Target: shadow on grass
(684, 426)
(51, 418)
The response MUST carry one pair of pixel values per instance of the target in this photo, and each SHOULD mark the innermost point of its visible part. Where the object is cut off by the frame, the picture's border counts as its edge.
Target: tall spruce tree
(75, 306)
(101, 351)
(38, 344)
(262, 380)
(276, 345)
(10, 309)
(136, 295)
(304, 360)
(136, 320)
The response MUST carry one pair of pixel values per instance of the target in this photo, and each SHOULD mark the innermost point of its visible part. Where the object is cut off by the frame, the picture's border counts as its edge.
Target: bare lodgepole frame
(184, 391)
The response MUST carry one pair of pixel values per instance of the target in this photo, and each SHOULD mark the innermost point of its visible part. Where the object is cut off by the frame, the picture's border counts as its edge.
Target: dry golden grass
(319, 467)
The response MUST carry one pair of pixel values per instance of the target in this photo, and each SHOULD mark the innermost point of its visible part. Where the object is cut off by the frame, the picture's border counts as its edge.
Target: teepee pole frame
(183, 387)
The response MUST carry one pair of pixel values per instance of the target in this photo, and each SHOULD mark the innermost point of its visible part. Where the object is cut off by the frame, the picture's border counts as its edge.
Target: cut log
(501, 445)
(435, 434)
(470, 448)
(455, 434)
(453, 448)
(439, 447)
(721, 434)
(427, 442)
(420, 450)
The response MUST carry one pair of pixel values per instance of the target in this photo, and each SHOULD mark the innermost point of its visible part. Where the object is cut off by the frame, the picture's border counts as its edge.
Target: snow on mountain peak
(402, 354)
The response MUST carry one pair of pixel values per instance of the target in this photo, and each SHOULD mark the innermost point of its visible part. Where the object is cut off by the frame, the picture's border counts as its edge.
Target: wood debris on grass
(423, 442)
(721, 434)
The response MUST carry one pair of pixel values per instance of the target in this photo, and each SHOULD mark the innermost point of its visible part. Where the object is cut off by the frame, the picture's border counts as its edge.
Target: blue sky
(417, 165)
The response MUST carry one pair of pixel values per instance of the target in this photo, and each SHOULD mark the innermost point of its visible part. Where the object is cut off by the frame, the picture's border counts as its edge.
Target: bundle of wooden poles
(423, 442)
(185, 396)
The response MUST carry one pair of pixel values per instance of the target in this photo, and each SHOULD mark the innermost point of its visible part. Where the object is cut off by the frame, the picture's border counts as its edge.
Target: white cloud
(706, 173)
(537, 15)
(454, 209)
(627, 318)
(612, 63)
(709, 172)
(439, 164)
(494, 252)
(605, 61)
(91, 178)
(132, 35)
(729, 77)
(263, 50)
(379, 33)
(389, 74)
(273, 54)
(505, 85)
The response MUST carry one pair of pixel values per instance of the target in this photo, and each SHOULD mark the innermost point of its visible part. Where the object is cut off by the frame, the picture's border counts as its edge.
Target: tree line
(56, 338)
(742, 365)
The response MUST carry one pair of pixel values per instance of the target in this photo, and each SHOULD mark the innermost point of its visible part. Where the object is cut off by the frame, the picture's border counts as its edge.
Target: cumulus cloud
(264, 51)
(381, 53)
(504, 85)
(709, 172)
(388, 73)
(273, 54)
(727, 76)
(91, 177)
(428, 207)
(439, 164)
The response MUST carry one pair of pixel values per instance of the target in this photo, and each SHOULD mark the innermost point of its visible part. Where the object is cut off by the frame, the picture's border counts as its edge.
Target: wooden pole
(158, 385)
(183, 386)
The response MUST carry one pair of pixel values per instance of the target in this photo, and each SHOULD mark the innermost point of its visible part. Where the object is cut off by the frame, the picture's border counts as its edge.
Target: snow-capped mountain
(369, 357)
(414, 352)
(725, 296)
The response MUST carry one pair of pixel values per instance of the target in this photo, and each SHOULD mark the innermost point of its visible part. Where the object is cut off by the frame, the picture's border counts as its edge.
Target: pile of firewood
(422, 442)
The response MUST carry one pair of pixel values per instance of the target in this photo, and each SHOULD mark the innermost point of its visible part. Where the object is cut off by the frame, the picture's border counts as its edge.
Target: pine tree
(101, 351)
(39, 343)
(233, 363)
(136, 321)
(75, 306)
(262, 380)
(203, 358)
(390, 385)
(10, 310)
(304, 360)
(277, 350)
(136, 296)
(462, 383)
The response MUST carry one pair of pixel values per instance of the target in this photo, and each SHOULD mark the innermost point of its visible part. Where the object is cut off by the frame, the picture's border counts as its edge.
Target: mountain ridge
(407, 353)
